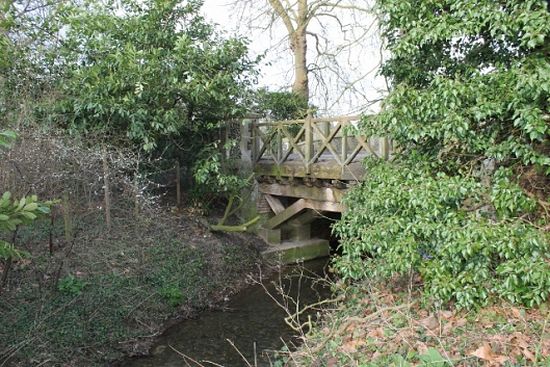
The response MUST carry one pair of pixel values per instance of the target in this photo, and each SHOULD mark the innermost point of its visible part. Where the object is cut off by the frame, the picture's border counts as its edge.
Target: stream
(250, 319)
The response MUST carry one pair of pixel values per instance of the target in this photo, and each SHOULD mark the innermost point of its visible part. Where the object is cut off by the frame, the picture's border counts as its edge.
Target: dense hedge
(465, 200)
(404, 219)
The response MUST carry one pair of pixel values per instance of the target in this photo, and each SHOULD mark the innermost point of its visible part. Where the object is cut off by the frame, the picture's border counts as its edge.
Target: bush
(405, 219)
(468, 186)
(280, 105)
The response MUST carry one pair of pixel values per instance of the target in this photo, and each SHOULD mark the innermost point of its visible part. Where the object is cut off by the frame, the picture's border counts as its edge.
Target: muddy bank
(109, 294)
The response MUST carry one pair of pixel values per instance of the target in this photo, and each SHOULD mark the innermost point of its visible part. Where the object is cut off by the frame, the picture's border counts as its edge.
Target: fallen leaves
(486, 353)
(494, 336)
(352, 345)
(430, 323)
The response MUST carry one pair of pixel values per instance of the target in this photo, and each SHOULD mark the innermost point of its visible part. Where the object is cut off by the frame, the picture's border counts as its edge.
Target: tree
(29, 38)
(322, 35)
(464, 203)
(148, 71)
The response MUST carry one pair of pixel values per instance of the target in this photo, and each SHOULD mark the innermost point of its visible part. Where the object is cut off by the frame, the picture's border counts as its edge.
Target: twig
(185, 357)
(238, 351)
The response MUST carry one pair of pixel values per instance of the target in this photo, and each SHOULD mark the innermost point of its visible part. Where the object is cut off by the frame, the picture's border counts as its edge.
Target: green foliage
(507, 197)
(470, 86)
(433, 358)
(14, 213)
(404, 219)
(280, 105)
(7, 137)
(470, 79)
(148, 70)
(214, 175)
(71, 285)
(172, 294)
(23, 211)
(8, 251)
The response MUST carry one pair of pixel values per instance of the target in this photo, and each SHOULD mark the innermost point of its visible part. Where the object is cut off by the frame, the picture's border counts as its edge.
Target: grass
(378, 326)
(109, 294)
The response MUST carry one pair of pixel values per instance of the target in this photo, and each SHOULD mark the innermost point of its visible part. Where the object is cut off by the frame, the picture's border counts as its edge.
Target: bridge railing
(313, 140)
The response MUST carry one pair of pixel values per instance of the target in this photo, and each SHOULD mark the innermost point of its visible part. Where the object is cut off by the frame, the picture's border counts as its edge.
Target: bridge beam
(329, 194)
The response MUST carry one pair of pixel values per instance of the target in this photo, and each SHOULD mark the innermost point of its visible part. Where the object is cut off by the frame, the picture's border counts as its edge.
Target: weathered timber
(288, 213)
(299, 206)
(325, 170)
(274, 203)
(312, 161)
(296, 251)
(323, 148)
(333, 195)
(324, 206)
(271, 236)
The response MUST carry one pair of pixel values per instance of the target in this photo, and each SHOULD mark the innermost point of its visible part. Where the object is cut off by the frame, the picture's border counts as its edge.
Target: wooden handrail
(317, 139)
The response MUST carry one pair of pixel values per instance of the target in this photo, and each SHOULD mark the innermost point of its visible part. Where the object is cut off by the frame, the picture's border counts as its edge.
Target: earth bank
(107, 294)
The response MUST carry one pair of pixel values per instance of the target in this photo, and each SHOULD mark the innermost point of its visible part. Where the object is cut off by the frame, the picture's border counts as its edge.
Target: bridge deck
(324, 169)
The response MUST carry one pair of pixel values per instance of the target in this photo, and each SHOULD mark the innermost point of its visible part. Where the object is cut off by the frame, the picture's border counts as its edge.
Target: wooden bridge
(303, 168)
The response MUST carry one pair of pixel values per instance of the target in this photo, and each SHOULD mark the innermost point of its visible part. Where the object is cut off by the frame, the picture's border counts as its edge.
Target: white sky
(277, 65)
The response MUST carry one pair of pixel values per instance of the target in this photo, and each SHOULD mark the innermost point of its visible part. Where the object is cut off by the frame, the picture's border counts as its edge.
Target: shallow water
(251, 319)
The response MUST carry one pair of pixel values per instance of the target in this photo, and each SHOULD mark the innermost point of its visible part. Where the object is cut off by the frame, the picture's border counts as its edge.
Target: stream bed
(250, 319)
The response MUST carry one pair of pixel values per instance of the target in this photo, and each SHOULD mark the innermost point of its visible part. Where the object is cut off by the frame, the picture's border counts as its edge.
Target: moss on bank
(104, 294)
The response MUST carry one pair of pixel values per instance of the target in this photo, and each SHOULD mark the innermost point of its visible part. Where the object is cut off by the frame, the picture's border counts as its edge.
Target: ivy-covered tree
(465, 201)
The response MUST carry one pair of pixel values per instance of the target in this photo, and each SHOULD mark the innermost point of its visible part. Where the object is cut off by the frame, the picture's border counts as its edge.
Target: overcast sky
(277, 66)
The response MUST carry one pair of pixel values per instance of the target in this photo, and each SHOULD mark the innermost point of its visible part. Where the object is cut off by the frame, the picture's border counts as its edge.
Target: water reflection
(251, 320)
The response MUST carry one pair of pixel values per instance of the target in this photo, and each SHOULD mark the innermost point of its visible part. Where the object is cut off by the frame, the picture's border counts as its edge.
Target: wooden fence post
(280, 142)
(107, 189)
(344, 143)
(136, 188)
(309, 142)
(67, 219)
(178, 184)
(255, 138)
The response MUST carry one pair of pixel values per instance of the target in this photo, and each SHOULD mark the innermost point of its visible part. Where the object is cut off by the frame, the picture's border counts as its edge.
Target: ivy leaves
(469, 78)
(405, 219)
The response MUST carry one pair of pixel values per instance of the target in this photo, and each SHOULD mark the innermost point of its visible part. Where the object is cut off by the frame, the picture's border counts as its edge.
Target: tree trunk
(7, 267)
(298, 45)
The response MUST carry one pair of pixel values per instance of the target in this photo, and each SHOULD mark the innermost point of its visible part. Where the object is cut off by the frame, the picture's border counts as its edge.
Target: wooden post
(309, 142)
(67, 220)
(107, 190)
(178, 184)
(255, 138)
(344, 143)
(246, 143)
(326, 128)
(385, 149)
(136, 188)
(279, 142)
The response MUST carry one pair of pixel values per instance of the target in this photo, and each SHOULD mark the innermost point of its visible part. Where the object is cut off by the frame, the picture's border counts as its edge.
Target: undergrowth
(109, 294)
